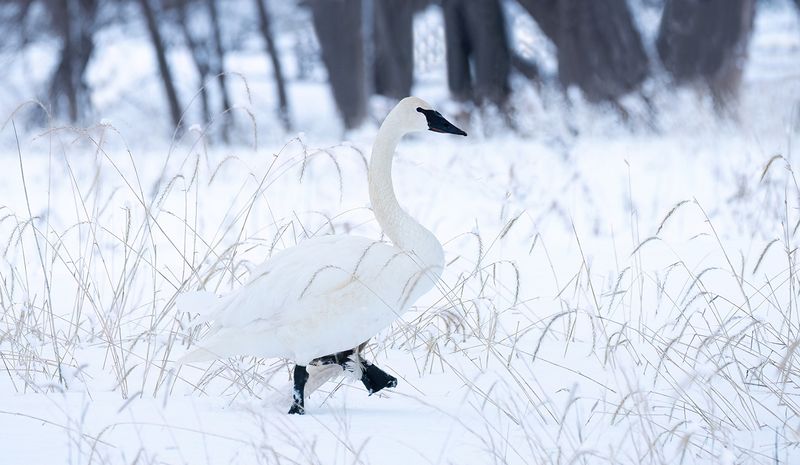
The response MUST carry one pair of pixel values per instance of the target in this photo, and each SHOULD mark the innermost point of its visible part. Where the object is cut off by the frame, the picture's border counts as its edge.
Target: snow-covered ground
(614, 293)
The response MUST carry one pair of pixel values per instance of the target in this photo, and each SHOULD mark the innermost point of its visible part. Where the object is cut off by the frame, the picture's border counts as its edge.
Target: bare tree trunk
(478, 57)
(706, 41)
(199, 56)
(338, 26)
(75, 22)
(459, 49)
(599, 49)
(163, 65)
(88, 14)
(277, 69)
(394, 47)
(62, 83)
(219, 67)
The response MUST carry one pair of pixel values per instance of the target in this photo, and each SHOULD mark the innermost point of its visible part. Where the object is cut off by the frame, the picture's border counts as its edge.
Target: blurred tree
(207, 51)
(478, 57)
(394, 47)
(705, 41)
(199, 50)
(338, 24)
(598, 47)
(74, 23)
(161, 56)
(280, 83)
(218, 67)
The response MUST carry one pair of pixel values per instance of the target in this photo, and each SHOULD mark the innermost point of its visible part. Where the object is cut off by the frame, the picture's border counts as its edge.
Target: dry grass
(660, 364)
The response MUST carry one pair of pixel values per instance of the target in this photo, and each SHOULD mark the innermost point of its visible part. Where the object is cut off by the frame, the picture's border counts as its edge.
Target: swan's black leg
(373, 378)
(339, 358)
(300, 378)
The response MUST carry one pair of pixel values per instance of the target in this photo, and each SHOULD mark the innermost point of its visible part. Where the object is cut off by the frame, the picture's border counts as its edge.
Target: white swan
(331, 293)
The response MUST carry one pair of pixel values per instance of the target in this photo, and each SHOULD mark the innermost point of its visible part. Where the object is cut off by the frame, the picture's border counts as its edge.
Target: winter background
(620, 283)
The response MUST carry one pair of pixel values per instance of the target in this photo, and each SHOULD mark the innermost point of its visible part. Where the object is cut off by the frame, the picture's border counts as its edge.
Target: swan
(319, 300)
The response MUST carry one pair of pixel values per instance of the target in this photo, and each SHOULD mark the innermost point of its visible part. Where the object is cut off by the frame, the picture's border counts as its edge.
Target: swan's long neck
(398, 225)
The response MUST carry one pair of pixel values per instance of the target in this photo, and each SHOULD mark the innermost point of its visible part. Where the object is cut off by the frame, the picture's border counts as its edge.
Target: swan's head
(415, 114)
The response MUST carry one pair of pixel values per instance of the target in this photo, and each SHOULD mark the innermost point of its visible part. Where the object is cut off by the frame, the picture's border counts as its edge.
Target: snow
(579, 320)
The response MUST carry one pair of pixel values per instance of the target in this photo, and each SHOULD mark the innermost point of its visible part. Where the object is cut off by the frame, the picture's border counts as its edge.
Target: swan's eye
(419, 109)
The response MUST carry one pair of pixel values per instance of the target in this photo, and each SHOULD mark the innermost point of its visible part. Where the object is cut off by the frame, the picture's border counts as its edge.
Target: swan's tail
(202, 302)
(200, 354)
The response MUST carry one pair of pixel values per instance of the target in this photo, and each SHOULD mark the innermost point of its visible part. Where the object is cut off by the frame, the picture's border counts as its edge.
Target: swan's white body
(331, 293)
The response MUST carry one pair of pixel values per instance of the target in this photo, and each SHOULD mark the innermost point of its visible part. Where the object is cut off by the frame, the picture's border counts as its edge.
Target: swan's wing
(293, 301)
(298, 280)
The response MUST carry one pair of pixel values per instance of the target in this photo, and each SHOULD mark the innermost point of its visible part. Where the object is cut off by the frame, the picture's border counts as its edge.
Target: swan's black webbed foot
(300, 378)
(296, 409)
(375, 379)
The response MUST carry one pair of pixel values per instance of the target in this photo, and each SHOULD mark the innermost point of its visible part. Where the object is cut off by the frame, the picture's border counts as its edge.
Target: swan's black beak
(437, 123)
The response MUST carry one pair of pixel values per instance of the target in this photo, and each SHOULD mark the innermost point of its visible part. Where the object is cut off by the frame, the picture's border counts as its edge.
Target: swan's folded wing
(297, 280)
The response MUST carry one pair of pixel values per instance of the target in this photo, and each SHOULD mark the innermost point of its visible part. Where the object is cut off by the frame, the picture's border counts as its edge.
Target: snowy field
(615, 292)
